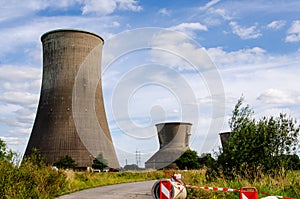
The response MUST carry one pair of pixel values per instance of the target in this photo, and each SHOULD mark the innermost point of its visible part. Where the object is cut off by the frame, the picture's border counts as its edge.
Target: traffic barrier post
(165, 189)
(248, 193)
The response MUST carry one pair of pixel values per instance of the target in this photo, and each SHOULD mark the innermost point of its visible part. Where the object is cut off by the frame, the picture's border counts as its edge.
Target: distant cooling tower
(173, 140)
(71, 119)
(224, 138)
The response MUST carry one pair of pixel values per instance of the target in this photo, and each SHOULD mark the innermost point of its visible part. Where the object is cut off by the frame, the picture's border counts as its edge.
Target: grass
(32, 181)
(286, 185)
(84, 180)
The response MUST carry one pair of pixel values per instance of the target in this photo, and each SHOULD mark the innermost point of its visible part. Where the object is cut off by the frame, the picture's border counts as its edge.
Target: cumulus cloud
(249, 56)
(14, 140)
(276, 25)
(104, 7)
(17, 9)
(221, 12)
(19, 73)
(293, 34)
(277, 96)
(183, 53)
(189, 28)
(21, 98)
(245, 32)
(183, 27)
(164, 12)
(19, 88)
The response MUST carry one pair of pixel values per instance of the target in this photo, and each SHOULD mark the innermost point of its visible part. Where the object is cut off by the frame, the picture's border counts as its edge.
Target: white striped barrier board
(165, 189)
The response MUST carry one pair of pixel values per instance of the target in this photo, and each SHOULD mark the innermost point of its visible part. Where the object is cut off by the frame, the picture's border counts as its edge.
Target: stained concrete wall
(71, 119)
(173, 140)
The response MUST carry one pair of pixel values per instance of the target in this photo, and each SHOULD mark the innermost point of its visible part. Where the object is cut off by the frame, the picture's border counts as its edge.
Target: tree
(5, 154)
(207, 161)
(65, 162)
(258, 145)
(99, 162)
(188, 160)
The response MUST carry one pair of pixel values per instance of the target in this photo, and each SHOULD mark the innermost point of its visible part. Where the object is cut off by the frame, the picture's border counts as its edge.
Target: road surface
(136, 190)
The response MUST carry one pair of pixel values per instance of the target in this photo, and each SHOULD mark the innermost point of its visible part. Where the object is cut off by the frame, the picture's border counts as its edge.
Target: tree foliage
(36, 158)
(188, 160)
(65, 162)
(99, 162)
(5, 154)
(207, 161)
(265, 144)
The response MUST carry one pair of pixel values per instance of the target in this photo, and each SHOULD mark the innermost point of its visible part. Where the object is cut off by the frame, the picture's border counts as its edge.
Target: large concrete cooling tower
(173, 140)
(71, 119)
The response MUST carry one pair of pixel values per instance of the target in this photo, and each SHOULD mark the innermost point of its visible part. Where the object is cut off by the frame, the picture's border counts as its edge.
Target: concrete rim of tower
(166, 123)
(70, 30)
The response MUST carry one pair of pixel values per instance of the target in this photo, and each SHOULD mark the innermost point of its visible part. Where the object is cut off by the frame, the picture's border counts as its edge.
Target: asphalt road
(136, 190)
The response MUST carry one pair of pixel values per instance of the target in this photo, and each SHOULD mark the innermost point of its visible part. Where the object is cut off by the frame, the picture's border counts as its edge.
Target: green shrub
(65, 162)
(31, 179)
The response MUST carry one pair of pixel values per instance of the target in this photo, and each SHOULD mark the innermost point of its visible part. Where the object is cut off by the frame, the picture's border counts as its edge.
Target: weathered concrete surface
(173, 140)
(71, 119)
(137, 190)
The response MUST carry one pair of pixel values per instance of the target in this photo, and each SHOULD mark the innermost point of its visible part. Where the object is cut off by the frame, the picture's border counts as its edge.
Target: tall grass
(30, 181)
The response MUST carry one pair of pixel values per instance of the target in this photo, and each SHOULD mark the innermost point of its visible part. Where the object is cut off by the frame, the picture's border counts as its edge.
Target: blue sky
(253, 49)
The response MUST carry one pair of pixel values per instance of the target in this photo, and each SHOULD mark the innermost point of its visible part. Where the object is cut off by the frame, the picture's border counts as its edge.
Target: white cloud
(101, 7)
(11, 73)
(189, 28)
(13, 9)
(184, 27)
(26, 37)
(293, 32)
(104, 7)
(25, 131)
(209, 4)
(182, 54)
(277, 96)
(250, 56)
(131, 5)
(276, 25)
(245, 32)
(268, 82)
(164, 12)
(14, 140)
(19, 98)
(221, 12)
(7, 109)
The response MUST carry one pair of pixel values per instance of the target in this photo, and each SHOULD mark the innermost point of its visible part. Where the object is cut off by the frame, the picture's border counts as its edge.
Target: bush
(65, 162)
(32, 179)
(266, 145)
(188, 160)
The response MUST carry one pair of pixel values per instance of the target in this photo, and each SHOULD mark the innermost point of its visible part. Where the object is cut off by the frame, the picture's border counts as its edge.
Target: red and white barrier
(248, 193)
(213, 188)
(174, 188)
(270, 195)
(169, 189)
(165, 189)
